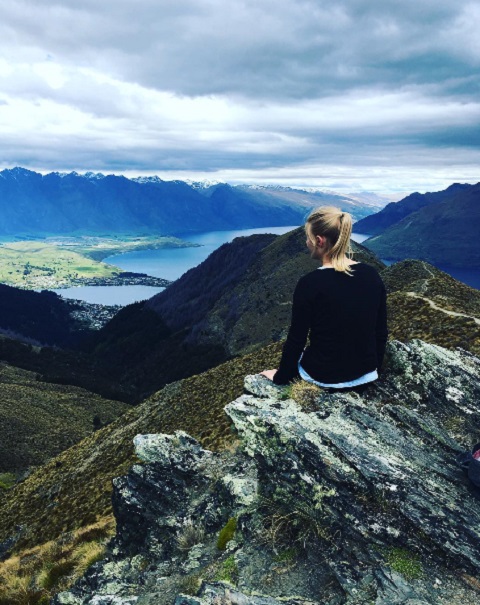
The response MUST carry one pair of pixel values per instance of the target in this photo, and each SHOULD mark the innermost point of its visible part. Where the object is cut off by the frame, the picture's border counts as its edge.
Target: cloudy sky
(377, 95)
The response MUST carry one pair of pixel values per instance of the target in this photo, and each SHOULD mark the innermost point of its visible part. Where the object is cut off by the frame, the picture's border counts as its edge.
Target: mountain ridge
(73, 490)
(443, 233)
(55, 203)
(395, 211)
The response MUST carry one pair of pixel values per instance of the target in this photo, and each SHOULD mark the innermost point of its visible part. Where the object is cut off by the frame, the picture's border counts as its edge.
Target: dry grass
(34, 575)
(190, 534)
(290, 522)
(305, 394)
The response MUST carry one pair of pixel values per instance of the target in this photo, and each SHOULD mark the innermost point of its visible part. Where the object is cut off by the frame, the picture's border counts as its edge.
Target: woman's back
(341, 305)
(347, 318)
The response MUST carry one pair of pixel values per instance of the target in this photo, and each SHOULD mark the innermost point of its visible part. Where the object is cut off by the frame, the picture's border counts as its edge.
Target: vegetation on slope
(146, 349)
(41, 317)
(35, 574)
(426, 303)
(39, 420)
(62, 367)
(74, 489)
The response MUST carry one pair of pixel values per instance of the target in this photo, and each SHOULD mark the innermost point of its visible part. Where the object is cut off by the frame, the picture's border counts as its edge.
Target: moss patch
(228, 571)
(404, 562)
(226, 534)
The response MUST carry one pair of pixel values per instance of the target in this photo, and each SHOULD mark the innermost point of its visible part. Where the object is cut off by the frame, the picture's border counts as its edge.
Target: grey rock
(179, 450)
(259, 385)
(365, 490)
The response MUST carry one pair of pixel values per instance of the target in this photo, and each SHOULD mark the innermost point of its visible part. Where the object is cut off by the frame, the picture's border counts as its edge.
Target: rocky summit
(328, 498)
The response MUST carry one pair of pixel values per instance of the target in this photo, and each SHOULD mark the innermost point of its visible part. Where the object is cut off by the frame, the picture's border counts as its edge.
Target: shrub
(292, 521)
(191, 585)
(56, 572)
(7, 480)
(404, 562)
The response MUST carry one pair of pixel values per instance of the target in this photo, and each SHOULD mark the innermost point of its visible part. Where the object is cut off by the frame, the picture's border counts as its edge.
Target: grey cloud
(256, 48)
(266, 59)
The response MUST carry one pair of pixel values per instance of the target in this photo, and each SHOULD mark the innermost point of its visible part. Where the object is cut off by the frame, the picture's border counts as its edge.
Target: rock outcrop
(331, 499)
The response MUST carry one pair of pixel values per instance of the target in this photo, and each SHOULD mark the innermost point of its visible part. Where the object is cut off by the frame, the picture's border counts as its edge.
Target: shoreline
(127, 278)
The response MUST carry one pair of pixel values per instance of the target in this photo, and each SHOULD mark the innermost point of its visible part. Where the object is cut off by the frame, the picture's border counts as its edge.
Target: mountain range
(442, 228)
(32, 204)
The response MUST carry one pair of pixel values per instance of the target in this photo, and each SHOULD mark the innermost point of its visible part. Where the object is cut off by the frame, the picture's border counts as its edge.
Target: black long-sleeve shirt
(346, 317)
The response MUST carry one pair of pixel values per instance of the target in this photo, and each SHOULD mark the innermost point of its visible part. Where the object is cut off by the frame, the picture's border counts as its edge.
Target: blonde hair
(336, 227)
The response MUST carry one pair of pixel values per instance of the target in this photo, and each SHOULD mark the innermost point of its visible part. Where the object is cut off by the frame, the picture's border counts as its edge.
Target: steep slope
(145, 349)
(444, 233)
(396, 211)
(62, 366)
(40, 317)
(74, 488)
(39, 420)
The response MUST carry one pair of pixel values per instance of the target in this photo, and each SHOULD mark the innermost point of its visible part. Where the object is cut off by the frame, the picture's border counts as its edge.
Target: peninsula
(62, 262)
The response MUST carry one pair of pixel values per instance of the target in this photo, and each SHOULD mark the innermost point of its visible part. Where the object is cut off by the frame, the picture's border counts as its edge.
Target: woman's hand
(268, 374)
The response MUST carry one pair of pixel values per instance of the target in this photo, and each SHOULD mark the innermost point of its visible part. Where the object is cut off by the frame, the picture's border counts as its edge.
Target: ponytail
(336, 226)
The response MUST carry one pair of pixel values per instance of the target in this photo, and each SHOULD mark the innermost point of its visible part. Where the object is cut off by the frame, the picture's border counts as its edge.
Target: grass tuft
(305, 394)
(33, 576)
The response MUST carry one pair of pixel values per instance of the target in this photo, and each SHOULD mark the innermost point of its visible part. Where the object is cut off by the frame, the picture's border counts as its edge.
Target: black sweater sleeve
(297, 335)
(381, 332)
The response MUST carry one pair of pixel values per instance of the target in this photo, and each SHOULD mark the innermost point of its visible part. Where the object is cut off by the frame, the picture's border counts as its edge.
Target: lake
(171, 263)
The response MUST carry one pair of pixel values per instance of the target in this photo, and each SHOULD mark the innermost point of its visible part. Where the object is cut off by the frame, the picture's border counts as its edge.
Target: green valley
(56, 262)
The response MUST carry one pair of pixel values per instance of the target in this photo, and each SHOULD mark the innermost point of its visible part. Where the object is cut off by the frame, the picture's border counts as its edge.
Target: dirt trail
(435, 306)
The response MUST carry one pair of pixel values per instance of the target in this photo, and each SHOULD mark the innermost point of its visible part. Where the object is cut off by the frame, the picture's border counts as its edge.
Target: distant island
(62, 262)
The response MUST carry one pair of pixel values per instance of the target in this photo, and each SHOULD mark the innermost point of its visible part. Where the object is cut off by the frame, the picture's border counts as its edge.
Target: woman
(342, 305)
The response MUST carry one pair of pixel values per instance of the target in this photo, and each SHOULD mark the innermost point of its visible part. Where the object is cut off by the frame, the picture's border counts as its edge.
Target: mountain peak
(17, 173)
(94, 176)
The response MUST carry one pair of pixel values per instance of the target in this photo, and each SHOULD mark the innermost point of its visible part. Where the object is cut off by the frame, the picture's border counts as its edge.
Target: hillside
(40, 317)
(396, 211)
(74, 489)
(444, 233)
(39, 419)
(79, 479)
(99, 204)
